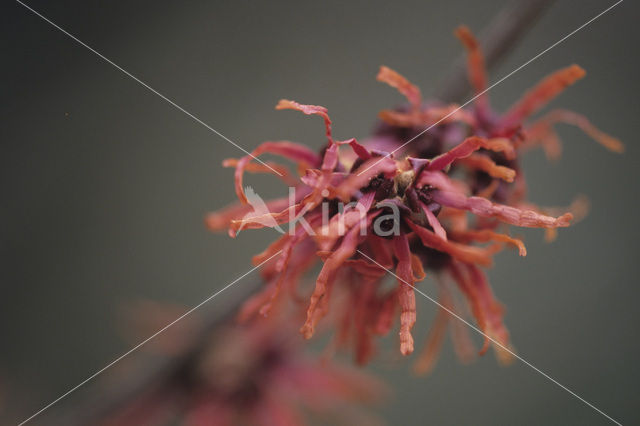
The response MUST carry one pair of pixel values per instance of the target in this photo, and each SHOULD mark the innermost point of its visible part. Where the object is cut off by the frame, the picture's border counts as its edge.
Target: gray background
(104, 185)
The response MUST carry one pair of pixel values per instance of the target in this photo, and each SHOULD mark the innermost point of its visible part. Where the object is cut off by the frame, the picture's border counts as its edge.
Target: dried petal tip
(467, 38)
(547, 89)
(564, 220)
(487, 165)
(476, 67)
(543, 131)
(397, 81)
(308, 110)
(575, 72)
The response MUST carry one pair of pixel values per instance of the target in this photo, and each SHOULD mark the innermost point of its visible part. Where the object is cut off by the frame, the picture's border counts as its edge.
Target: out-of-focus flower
(253, 374)
(423, 206)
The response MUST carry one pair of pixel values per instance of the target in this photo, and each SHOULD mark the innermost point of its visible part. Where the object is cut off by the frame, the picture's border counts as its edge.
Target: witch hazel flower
(364, 209)
(446, 124)
(255, 374)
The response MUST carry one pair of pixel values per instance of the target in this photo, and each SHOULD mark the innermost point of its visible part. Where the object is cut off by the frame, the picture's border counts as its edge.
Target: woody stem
(497, 39)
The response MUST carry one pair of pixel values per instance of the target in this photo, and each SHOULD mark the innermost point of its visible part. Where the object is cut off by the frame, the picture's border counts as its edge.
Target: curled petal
(346, 249)
(406, 295)
(428, 116)
(266, 307)
(547, 89)
(362, 152)
(477, 71)
(469, 254)
(293, 151)
(467, 288)
(397, 81)
(433, 222)
(330, 160)
(222, 219)
(284, 259)
(448, 114)
(400, 119)
(266, 220)
(417, 268)
(494, 311)
(542, 131)
(487, 165)
(475, 64)
(262, 217)
(487, 311)
(344, 221)
(309, 110)
(315, 178)
(512, 215)
(268, 167)
(486, 235)
(272, 249)
(579, 208)
(469, 146)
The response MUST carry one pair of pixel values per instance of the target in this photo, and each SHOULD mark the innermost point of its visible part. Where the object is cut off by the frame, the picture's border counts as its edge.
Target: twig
(154, 373)
(497, 40)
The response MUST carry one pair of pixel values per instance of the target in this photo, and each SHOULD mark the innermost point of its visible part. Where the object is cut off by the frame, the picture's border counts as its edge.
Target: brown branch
(497, 39)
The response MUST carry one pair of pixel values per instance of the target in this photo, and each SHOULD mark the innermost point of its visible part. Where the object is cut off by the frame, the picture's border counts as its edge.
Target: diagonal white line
(146, 86)
(495, 84)
(524, 361)
(136, 347)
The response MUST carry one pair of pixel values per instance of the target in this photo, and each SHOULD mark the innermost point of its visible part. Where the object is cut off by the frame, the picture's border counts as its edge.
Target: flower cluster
(441, 203)
(249, 374)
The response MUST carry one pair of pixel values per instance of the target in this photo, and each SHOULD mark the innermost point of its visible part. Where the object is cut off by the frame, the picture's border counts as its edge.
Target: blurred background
(104, 186)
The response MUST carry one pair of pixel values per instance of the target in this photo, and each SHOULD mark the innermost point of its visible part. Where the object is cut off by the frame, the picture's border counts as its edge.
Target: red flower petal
(397, 81)
(547, 89)
(309, 110)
